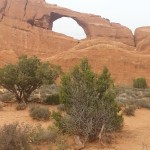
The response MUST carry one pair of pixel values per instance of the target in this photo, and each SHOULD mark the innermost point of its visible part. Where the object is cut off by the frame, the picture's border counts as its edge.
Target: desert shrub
(48, 136)
(62, 122)
(14, 137)
(129, 110)
(39, 113)
(21, 106)
(65, 123)
(41, 135)
(61, 107)
(147, 105)
(58, 119)
(143, 104)
(6, 97)
(27, 75)
(140, 83)
(62, 144)
(52, 99)
(90, 102)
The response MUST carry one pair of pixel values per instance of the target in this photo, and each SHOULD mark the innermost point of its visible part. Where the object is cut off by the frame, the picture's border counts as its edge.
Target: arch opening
(69, 27)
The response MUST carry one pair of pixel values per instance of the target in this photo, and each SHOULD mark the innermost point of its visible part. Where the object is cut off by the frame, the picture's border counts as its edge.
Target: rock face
(142, 39)
(26, 28)
(124, 63)
(18, 34)
(38, 13)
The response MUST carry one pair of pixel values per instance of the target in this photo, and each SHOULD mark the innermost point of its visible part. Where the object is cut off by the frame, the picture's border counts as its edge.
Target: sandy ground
(9, 115)
(135, 134)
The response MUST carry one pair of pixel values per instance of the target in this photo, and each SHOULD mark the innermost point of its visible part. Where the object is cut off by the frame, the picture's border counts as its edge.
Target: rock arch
(55, 16)
(40, 14)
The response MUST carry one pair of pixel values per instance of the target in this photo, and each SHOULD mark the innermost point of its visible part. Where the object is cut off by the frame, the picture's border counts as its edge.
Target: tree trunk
(26, 97)
(19, 99)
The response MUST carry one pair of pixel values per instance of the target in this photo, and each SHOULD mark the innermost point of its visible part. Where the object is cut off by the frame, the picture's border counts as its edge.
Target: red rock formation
(123, 62)
(38, 13)
(142, 39)
(25, 28)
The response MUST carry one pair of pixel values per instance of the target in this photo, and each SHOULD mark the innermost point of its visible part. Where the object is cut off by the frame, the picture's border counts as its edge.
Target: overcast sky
(131, 13)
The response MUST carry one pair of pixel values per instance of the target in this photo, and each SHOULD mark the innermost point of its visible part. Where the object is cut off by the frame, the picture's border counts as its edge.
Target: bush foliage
(14, 137)
(41, 135)
(89, 101)
(26, 76)
(21, 106)
(39, 113)
(129, 110)
(52, 99)
(140, 83)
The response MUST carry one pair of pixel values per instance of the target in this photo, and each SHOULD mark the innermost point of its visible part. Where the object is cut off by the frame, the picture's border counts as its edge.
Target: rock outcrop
(26, 28)
(142, 39)
(40, 14)
(124, 63)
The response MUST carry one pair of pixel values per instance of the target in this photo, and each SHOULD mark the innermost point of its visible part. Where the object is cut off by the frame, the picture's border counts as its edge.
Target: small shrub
(129, 111)
(140, 83)
(58, 119)
(62, 144)
(6, 97)
(147, 106)
(52, 99)
(144, 104)
(41, 135)
(61, 107)
(39, 113)
(21, 106)
(14, 137)
(64, 123)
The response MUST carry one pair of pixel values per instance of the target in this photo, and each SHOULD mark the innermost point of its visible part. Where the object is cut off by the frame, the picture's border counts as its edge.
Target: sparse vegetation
(40, 113)
(89, 101)
(58, 119)
(21, 106)
(26, 76)
(52, 99)
(62, 143)
(24, 137)
(140, 98)
(129, 110)
(143, 104)
(140, 83)
(61, 107)
(41, 135)
(6, 97)
(14, 137)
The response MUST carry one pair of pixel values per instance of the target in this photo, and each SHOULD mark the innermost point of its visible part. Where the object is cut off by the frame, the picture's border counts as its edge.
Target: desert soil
(135, 134)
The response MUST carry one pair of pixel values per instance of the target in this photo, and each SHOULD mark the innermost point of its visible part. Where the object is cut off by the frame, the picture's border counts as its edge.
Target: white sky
(131, 13)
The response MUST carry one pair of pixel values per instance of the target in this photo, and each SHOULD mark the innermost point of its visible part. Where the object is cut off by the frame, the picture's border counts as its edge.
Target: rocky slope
(26, 28)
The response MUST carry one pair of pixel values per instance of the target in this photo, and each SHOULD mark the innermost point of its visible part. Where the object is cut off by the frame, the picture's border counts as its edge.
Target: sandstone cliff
(142, 39)
(26, 28)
